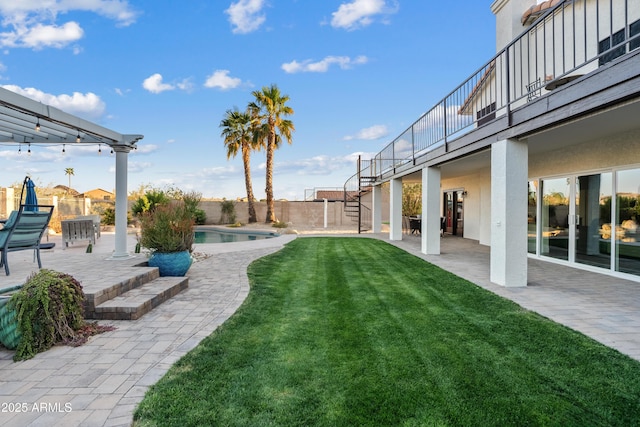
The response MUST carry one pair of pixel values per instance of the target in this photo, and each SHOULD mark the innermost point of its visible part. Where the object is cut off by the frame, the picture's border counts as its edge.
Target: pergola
(28, 122)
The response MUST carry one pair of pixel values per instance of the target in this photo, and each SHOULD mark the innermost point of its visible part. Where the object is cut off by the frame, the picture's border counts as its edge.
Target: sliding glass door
(555, 218)
(593, 220)
(627, 216)
(577, 219)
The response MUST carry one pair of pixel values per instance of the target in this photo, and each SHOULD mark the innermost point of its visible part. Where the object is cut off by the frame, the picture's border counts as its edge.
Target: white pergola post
(509, 177)
(122, 154)
(431, 211)
(395, 214)
(376, 209)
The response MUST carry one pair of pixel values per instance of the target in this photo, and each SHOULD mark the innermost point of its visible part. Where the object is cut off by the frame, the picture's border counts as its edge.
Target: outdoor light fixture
(38, 125)
(78, 137)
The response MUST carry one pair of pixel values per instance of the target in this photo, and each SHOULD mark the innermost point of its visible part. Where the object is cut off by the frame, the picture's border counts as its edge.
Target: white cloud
(88, 105)
(154, 84)
(359, 13)
(220, 171)
(145, 149)
(370, 133)
(186, 85)
(220, 79)
(134, 167)
(32, 23)
(322, 66)
(40, 36)
(317, 165)
(245, 15)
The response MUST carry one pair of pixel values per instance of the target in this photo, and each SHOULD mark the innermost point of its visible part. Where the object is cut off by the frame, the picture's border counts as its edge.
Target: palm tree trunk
(247, 182)
(271, 216)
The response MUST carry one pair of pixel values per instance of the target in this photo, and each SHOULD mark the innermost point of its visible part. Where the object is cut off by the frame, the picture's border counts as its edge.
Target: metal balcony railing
(567, 41)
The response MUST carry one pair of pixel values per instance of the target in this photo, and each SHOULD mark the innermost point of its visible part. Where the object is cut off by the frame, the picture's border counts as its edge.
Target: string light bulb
(20, 149)
(63, 150)
(78, 137)
(38, 125)
(29, 150)
(99, 148)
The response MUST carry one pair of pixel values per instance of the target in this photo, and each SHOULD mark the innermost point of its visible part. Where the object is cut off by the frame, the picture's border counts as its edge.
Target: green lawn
(355, 332)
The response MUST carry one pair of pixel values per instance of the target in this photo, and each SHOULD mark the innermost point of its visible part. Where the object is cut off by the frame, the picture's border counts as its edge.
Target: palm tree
(69, 171)
(270, 108)
(238, 136)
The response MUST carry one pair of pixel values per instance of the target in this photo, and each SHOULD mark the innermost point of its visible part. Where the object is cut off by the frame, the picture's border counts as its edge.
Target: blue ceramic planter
(172, 263)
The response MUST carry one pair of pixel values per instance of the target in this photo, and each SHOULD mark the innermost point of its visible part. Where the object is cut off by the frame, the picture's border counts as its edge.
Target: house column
(509, 177)
(395, 214)
(376, 209)
(431, 211)
(122, 154)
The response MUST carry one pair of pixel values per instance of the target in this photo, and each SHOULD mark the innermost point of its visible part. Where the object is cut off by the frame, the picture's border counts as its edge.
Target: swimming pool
(216, 235)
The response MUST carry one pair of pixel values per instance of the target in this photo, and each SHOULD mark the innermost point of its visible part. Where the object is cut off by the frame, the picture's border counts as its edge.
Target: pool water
(219, 236)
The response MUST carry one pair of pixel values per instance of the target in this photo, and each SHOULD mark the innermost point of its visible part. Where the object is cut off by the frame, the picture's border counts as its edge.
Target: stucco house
(537, 154)
(99, 194)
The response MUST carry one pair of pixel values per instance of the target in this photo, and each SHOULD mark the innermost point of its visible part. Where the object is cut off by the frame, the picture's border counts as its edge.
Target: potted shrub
(167, 231)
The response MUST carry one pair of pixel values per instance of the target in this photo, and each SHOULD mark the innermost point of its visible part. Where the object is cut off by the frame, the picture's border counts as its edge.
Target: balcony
(576, 58)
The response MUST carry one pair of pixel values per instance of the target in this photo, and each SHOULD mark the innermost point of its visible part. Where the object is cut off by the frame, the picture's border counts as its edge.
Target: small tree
(411, 199)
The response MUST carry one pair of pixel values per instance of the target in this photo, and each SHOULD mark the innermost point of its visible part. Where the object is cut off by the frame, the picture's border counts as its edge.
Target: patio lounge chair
(23, 230)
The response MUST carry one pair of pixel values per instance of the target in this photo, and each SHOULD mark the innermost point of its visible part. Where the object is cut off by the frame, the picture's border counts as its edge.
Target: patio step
(98, 291)
(138, 301)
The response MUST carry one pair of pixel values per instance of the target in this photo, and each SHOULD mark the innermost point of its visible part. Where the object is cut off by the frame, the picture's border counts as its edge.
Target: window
(634, 31)
(486, 114)
(618, 39)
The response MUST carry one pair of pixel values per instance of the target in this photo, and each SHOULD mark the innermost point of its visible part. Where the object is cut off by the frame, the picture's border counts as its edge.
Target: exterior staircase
(355, 189)
(133, 296)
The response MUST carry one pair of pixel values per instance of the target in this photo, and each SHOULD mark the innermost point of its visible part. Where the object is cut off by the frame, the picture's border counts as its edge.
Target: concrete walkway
(101, 382)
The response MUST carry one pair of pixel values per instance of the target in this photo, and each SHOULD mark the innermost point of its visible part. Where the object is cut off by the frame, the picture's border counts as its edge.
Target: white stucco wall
(615, 151)
(477, 203)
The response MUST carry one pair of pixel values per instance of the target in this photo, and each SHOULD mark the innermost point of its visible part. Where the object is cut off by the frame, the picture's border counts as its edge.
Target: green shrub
(108, 217)
(199, 216)
(167, 228)
(149, 201)
(49, 310)
(191, 202)
(227, 211)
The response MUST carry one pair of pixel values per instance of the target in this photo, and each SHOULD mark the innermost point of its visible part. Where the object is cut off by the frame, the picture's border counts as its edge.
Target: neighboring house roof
(530, 15)
(331, 195)
(97, 193)
(66, 189)
(488, 72)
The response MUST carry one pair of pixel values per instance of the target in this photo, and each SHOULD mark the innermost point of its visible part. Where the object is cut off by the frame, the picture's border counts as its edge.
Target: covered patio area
(600, 306)
(25, 122)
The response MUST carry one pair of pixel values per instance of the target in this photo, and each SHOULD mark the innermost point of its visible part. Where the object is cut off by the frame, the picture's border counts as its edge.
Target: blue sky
(358, 73)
